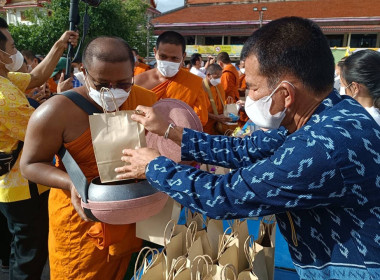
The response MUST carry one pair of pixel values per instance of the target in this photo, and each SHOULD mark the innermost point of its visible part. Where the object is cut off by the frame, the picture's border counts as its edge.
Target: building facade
(346, 23)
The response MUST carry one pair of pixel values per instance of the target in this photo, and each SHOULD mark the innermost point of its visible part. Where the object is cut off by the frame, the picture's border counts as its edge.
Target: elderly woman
(360, 79)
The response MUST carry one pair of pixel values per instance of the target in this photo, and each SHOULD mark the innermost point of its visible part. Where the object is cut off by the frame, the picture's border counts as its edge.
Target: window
(213, 40)
(190, 40)
(363, 40)
(335, 40)
(238, 40)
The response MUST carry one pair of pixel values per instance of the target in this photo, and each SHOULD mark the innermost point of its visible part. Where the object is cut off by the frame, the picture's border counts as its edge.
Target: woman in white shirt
(360, 79)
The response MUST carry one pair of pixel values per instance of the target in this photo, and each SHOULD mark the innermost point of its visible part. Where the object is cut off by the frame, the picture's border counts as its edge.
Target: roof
(323, 11)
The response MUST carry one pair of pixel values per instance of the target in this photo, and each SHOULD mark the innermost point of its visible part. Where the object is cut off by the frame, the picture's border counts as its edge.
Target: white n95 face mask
(167, 68)
(259, 111)
(17, 61)
(109, 99)
(215, 82)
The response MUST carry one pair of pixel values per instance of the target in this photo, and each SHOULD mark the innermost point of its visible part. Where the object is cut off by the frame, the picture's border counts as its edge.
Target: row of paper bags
(201, 249)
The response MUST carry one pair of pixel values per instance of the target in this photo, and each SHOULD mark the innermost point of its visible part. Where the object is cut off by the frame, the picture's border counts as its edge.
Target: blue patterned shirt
(326, 175)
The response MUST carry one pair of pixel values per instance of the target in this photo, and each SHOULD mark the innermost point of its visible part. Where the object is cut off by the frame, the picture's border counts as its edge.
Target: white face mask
(242, 70)
(202, 63)
(342, 90)
(259, 111)
(215, 82)
(17, 61)
(113, 98)
(167, 68)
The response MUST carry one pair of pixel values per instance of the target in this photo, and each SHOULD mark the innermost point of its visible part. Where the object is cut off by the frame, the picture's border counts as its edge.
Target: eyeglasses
(99, 86)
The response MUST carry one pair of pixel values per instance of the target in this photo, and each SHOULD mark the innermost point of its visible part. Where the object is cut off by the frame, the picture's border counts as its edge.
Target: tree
(125, 19)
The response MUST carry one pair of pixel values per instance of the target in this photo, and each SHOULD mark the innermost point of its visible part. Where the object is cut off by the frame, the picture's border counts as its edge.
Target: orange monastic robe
(187, 87)
(141, 68)
(230, 82)
(210, 126)
(242, 85)
(72, 253)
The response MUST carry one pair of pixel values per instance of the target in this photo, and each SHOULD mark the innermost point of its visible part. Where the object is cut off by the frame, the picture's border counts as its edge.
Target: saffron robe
(210, 126)
(141, 68)
(187, 87)
(230, 82)
(73, 243)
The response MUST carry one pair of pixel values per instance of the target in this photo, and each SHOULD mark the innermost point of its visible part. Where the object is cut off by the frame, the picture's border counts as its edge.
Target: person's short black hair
(363, 67)
(223, 57)
(30, 55)
(171, 37)
(194, 58)
(100, 48)
(213, 69)
(296, 46)
(3, 39)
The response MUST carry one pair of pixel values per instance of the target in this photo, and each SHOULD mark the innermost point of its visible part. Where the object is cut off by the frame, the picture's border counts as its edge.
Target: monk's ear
(184, 56)
(155, 51)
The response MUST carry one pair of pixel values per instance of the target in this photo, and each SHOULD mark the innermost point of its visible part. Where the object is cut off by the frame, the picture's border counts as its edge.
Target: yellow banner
(206, 49)
(190, 49)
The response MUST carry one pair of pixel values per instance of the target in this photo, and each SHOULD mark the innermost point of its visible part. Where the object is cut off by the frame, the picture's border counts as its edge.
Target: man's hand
(64, 85)
(136, 160)
(222, 118)
(76, 201)
(152, 121)
(68, 37)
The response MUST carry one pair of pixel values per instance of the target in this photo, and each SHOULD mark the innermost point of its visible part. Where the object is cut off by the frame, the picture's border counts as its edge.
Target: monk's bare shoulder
(147, 79)
(57, 110)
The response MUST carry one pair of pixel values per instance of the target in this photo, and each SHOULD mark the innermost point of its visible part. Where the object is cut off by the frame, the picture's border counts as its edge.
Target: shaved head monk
(107, 62)
(230, 76)
(169, 80)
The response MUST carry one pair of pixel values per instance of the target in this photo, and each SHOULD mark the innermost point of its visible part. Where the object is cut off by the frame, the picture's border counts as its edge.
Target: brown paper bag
(111, 133)
(180, 269)
(228, 252)
(228, 272)
(256, 259)
(153, 228)
(214, 230)
(231, 107)
(201, 268)
(266, 238)
(240, 228)
(149, 270)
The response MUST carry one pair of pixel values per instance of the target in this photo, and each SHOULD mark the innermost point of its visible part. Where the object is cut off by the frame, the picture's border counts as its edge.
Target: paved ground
(45, 274)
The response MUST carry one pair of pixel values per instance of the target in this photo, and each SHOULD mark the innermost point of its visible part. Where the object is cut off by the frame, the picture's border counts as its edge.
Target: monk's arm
(43, 139)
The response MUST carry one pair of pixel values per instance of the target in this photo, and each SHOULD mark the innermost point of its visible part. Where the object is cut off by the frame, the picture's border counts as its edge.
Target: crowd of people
(314, 163)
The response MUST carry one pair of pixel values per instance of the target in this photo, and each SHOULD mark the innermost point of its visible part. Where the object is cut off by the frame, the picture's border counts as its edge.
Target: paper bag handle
(195, 266)
(181, 262)
(142, 268)
(223, 272)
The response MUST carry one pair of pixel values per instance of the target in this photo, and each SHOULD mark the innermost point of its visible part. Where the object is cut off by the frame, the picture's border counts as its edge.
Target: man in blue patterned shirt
(318, 167)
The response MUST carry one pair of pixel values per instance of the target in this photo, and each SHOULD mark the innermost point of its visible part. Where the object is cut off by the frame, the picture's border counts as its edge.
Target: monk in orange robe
(242, 82)
(78, 248)
(230, 76)
(140, 68)
(212, 83)
(169, 80)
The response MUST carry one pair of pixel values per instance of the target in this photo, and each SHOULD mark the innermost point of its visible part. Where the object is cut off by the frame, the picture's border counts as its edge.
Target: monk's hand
(136, 162)
(76, 201)
(222, 118)
(150, 119)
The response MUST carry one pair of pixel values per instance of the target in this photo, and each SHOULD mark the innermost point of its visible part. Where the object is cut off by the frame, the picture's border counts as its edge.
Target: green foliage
(125, 19)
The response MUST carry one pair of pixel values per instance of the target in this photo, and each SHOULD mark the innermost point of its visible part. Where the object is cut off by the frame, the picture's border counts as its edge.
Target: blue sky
(166, 5)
